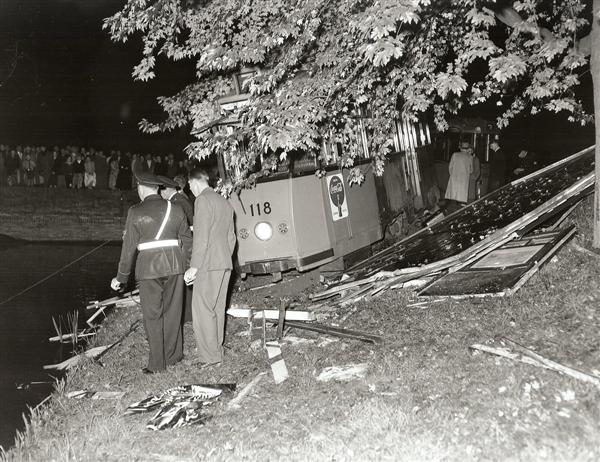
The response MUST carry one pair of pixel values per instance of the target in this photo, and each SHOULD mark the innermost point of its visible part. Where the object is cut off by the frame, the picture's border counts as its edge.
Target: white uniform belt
(158, 244)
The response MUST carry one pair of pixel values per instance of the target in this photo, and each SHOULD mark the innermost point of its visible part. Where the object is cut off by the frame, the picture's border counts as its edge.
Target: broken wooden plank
(343, 373)
(336, 331)
(278, 367)
(527, 356)
(558, 367)
(235, 402)
(90, 320)
(564, 216)
(63, 337)
(290, 315)
(71, 362)
(112, 300)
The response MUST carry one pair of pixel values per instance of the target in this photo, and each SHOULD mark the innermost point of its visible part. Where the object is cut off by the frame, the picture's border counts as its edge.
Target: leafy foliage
(324, 63)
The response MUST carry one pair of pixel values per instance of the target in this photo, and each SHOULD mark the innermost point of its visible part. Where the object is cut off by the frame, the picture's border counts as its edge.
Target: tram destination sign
(337, 196)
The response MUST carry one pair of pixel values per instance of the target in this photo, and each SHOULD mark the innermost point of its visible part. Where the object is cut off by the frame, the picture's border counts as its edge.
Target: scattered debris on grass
(528, 356)
(290, 315)
(343, 373)
(336, 331)
(278, 367)
(80, 394)
(179, 406)
(235, 402)
(92, 353)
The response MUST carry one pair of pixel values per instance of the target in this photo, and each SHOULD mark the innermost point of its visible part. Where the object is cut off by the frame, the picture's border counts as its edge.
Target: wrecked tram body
(300, 221)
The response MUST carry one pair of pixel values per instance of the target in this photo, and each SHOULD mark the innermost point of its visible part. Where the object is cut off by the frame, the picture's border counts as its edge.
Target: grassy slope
(425, 397)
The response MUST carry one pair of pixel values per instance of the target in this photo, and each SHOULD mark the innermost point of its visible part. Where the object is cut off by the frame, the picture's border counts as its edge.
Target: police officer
(157, 233)
(171, 191)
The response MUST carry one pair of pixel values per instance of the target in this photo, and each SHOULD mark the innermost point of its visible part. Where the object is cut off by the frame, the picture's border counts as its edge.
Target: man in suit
(147, 164)
(171, 191)
(497, 166)
(210, 266)
(157, 233)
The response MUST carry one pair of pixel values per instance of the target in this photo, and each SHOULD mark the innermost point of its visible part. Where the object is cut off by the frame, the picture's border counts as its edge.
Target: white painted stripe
(158, 244)
(164, 222)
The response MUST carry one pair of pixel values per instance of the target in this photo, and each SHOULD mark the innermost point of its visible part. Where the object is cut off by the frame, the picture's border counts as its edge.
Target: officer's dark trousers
(187, 305)
(162, 302)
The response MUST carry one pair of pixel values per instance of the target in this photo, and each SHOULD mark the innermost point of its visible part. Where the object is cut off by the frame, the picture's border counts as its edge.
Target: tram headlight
(282, 228)
(263, 231)
(244, 233)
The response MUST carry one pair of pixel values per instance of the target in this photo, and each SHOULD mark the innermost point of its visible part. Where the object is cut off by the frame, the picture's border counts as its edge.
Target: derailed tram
(296, 220)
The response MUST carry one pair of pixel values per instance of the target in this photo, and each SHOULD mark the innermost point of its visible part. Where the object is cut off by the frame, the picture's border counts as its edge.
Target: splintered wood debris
(528, 356)
(463, 240)
(343, 373)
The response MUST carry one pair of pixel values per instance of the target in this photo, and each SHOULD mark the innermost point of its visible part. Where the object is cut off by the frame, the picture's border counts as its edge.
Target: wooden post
(281, 321)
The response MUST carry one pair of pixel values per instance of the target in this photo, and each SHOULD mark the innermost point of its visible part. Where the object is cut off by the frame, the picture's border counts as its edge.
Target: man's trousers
(187, 304)
(208, 314)
(162, 302)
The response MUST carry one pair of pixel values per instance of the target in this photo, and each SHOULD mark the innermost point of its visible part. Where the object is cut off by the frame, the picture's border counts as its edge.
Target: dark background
(72, 85)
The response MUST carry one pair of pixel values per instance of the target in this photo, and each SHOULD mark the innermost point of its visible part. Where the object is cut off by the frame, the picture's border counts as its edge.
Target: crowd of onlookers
(78, 168)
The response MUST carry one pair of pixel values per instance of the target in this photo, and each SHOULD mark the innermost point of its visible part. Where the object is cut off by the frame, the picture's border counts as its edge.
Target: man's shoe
(147, 371)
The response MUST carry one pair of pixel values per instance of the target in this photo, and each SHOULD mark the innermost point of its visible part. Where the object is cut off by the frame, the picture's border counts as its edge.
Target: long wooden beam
(336, 331)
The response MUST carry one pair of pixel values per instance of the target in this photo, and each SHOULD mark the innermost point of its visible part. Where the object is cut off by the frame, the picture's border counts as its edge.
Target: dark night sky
(74, 86)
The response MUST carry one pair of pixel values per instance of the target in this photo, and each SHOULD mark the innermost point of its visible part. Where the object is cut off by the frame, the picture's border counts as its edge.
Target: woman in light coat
(460, 169)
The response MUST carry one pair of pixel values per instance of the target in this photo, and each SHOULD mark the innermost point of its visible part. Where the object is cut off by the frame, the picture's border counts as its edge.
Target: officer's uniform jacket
(162, 246)
(185, 203)
(214, 232)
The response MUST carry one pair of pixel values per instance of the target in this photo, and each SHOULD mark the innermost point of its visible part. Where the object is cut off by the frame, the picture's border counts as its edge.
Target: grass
(426, 396)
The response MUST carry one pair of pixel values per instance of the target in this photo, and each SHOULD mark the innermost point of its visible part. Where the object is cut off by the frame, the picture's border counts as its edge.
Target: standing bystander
(210, 267)
(460, 169)
(497, 166)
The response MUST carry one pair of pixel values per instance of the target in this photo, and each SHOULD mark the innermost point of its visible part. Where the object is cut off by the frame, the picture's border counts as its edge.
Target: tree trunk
(595, 68)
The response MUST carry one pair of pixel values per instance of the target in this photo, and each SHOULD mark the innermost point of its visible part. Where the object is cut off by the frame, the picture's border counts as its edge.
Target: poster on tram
(337, 196)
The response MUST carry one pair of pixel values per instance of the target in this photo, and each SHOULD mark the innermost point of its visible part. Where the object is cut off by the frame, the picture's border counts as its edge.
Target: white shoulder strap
(164, 222)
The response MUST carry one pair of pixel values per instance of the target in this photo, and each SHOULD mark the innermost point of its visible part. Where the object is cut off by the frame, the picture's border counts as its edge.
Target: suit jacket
(214, 233)
(181, 199)
(146, 166)
(143, 222)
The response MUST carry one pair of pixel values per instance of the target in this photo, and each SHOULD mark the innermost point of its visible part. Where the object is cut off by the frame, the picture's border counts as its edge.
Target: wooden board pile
(469, 234)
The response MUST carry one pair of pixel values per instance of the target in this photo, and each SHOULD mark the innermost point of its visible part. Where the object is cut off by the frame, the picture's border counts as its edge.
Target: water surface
(26, 321)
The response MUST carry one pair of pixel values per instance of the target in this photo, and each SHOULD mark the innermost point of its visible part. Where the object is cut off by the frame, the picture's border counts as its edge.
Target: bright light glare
(263, 231)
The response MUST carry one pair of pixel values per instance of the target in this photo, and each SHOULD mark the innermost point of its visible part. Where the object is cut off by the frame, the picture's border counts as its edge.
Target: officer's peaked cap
(147, 179)
(167, 182)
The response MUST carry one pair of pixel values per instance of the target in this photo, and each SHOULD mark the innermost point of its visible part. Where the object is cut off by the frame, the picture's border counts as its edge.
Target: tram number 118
(255, 209)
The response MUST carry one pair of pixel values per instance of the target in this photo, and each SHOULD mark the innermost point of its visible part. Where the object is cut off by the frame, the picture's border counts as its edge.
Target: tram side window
(303, 162)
